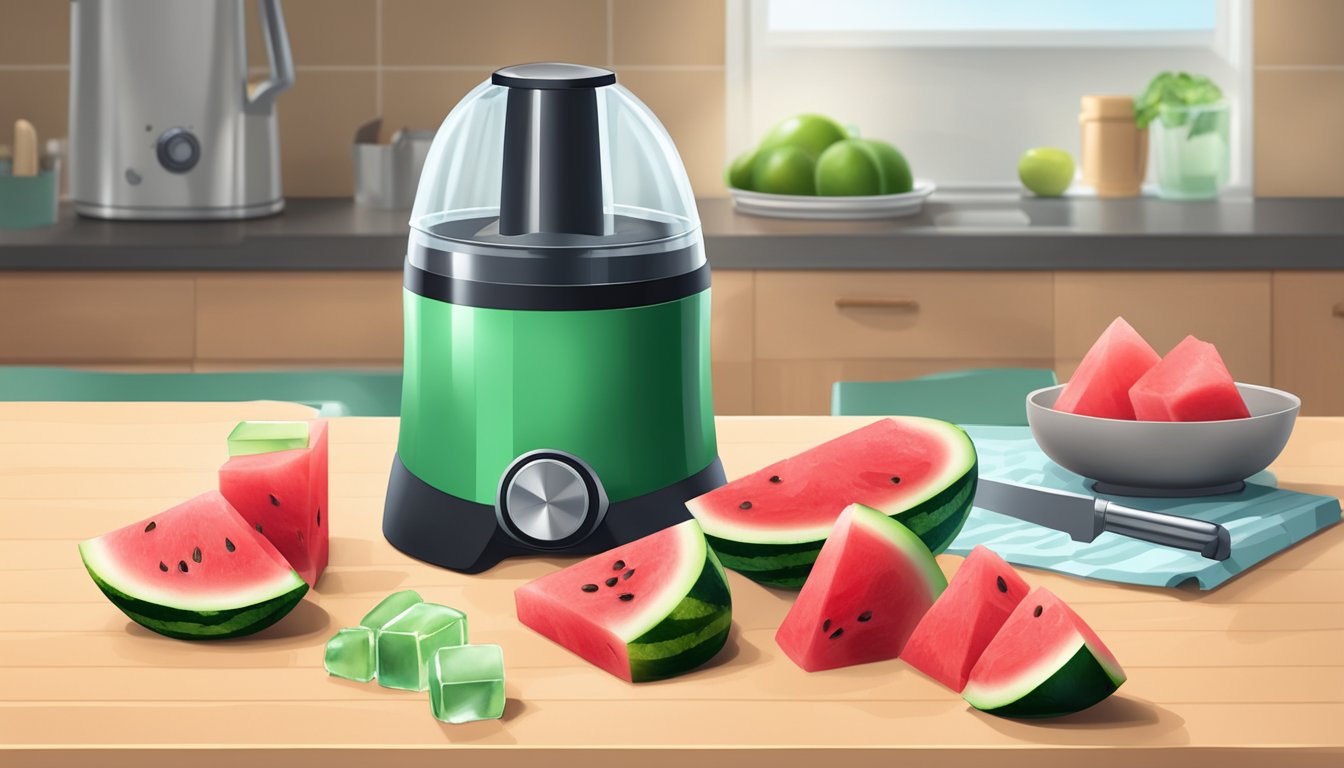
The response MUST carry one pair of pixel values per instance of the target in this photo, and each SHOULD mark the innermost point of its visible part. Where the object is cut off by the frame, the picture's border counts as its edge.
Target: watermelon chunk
(871, 584)
(654, 608)
(1045, 661)
(1190, 384)
(195, 571)
(770, 525)
(953, 634)
(1100, 386)
(284, 495)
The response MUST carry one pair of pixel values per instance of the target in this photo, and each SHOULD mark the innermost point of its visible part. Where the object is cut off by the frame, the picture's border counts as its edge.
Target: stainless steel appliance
(163, 122)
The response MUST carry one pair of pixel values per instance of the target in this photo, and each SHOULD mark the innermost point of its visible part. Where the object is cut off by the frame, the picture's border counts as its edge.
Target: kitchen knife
(1085, 517)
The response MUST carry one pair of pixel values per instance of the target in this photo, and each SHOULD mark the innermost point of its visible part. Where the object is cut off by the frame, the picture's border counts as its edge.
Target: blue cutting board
(1262, 520)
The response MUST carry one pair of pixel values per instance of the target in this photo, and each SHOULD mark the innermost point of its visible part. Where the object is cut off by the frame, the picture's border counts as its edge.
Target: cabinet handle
(1338, 311)
(902, 304)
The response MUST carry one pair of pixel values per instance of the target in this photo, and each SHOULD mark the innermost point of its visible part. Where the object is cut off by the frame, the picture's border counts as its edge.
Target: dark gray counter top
(953, 232)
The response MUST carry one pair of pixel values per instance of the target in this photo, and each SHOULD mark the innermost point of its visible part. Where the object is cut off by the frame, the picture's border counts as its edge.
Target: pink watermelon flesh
(953, 634)
(1044, 661)
(653, 608)
(1190, 384)
(1100, 386)
(872, 583)
(283, 494)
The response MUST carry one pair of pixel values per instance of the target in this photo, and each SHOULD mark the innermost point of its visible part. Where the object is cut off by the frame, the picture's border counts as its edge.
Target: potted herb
(1190, 138)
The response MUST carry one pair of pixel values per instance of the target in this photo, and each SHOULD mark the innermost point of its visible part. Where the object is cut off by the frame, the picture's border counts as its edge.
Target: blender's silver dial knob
(178, 150)
(550, 499)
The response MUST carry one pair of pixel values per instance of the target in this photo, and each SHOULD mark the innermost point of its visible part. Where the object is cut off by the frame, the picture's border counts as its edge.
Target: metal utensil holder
(386, 175)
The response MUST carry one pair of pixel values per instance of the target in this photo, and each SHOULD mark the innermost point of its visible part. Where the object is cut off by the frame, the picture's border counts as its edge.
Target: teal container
(556, 394)
(27, 202)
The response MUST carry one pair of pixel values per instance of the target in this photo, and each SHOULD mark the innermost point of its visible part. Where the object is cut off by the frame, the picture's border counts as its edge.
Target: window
(964, 86)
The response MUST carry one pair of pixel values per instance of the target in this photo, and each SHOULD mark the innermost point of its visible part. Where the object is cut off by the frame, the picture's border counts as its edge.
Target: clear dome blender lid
(553, 155)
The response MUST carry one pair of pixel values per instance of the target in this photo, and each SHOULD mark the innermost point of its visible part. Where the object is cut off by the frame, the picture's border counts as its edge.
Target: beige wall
(412, 60)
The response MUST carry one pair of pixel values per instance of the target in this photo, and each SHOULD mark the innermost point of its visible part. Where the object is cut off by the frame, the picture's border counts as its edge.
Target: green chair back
(995, 396)
(331, 392)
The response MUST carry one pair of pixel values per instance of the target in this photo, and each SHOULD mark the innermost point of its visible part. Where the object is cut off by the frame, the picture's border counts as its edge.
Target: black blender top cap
(553, 76)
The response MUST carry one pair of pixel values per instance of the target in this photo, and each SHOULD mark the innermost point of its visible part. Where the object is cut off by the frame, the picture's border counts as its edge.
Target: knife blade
(1084, 518)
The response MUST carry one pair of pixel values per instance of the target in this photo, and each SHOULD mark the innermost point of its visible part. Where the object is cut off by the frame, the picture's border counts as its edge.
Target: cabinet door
(731, 341)
(815, 328)
(1230, 309)
(1309, 339)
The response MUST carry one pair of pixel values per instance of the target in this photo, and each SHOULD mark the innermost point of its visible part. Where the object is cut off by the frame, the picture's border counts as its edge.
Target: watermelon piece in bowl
(1044, 662)
(195, 571)
(872, 583)
(769, 525)
(1100, 387)
(651, 609)
(1190, 384)
(955, 632)
(283, 494)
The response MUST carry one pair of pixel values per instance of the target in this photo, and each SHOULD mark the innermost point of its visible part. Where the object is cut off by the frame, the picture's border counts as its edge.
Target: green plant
(1170, 93)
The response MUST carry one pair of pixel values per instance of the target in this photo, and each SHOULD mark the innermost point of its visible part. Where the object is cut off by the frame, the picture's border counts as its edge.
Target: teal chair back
(331, 392)
(995, 396)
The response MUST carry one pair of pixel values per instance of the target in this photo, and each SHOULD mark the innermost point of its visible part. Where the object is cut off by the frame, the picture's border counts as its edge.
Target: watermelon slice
(1190, 384)
(654, 608)
(1100, 386)
(769, 525)
(953, 634)
(283, 493)
(871, 584)
(195, 571)
(1044, 662)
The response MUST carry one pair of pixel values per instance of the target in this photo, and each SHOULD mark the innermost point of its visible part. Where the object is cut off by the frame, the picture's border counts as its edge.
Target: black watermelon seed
(618, 565)
(229, 545)
(1003, 585)
(837, 633)
(196, 554)
(895, 480)
(628, 574)
(744, 505)
(865, 616)
(627, 597)
(1038, 611)
(611, 582)
(150, 527)
(319, 517)
(775, 479)
(589, 587)
(826, 626)
(163, 566)
(259, 528)
(274, 501)
(182, 565)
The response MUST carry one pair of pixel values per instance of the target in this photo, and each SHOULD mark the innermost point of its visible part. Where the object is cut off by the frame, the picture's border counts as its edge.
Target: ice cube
(405, 644)
(350, 654)
(466, 683)
(390, 608)
(251, 437)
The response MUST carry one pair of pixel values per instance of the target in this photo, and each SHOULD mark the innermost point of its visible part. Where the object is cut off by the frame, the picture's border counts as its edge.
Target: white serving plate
(823, 207)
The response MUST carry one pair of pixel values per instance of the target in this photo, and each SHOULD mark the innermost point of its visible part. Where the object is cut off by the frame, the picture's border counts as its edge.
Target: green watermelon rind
(936, 521)
(1083, 680)
(692, 633)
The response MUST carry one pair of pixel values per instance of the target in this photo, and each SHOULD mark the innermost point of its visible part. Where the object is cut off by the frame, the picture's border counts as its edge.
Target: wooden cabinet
(1309, 339)
(1230, 309)
(731, 346)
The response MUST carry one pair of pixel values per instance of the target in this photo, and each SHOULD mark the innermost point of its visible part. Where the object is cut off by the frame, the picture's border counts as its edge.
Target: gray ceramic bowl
(1165, 457)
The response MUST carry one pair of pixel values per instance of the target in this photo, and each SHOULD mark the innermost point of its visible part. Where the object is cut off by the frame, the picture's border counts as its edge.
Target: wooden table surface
(1249, 675)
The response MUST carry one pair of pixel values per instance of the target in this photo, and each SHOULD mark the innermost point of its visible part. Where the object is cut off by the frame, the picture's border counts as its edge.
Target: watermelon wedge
(953, 634)
(195, 571)
(654, 608)
(769, 525)
(283, 494)
(1045, 661)
(871, 584)
(1190, 384)
(1100, 386)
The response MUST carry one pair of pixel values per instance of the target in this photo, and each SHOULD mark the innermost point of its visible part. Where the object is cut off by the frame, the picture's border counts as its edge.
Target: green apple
(784, 171)
(810, 133)
(896, 176)
(738, 174)
(849, 167)
(1047, 171)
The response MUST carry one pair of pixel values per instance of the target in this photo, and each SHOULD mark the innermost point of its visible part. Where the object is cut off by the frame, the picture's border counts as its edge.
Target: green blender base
(465, 536)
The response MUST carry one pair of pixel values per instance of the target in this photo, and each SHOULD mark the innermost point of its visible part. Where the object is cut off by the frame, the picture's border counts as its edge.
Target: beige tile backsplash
(412, 60)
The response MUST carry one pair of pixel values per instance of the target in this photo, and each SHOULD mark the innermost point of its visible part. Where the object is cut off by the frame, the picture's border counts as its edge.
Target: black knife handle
(1209, 539)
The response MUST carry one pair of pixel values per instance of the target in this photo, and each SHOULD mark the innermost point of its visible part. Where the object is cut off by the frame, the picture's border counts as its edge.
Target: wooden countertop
(1248, 675)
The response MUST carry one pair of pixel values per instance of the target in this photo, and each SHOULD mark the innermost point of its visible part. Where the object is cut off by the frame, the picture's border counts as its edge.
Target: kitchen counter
(953, 232)
(1248, 675)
